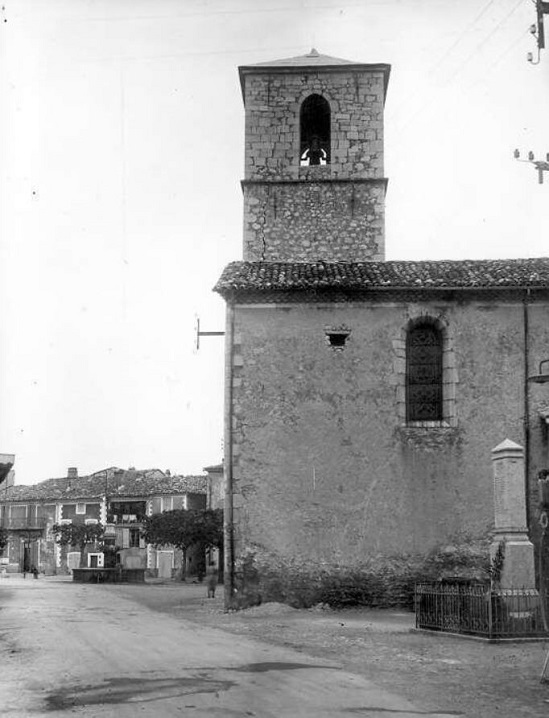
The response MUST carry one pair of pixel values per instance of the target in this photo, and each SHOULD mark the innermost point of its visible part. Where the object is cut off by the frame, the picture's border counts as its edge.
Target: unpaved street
(80, 649)
(438, 672)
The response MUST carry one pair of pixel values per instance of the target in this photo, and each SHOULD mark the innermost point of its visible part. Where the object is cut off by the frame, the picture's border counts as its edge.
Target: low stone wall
(108, 575)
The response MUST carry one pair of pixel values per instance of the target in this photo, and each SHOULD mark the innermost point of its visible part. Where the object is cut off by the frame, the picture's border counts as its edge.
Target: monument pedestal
(518, 563)
(516, 570)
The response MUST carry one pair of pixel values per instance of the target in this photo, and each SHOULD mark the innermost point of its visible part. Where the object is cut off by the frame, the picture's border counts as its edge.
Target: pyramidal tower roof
(311, 61)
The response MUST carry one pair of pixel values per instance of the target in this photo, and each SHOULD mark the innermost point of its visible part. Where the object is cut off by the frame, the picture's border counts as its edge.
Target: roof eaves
(235, 291)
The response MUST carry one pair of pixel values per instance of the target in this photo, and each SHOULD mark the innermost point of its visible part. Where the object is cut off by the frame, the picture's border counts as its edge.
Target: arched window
(424, 373)
(314, 126)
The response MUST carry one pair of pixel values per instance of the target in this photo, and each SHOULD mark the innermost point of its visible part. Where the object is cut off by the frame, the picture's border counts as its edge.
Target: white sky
(122, 153)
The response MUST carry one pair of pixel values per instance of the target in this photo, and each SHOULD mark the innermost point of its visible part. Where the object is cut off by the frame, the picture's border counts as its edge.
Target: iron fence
(24, 524)
(479, 610)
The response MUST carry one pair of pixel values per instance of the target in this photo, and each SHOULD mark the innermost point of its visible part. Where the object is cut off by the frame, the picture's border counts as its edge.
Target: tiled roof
(311, 59)
(241, 277)
(120, 482)
(216, 468)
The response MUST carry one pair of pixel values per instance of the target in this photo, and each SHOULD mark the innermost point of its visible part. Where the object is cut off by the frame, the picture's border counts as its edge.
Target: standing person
(34, 571)
(212, 580)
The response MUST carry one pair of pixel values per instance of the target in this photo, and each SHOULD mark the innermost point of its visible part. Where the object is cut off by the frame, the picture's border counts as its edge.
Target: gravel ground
(441, 672)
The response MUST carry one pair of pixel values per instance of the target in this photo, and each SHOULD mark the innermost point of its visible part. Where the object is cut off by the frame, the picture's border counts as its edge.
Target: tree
(184, 528)
(209, 527)
(3, 539)
(80, 535)
(214, 534)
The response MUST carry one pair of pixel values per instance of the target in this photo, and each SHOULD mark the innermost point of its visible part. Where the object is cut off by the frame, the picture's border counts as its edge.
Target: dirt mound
(269, 609)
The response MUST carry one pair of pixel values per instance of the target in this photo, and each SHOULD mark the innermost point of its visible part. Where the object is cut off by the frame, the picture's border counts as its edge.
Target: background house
(215, 500)
(117, 498)
(215, 490)
(6, 469)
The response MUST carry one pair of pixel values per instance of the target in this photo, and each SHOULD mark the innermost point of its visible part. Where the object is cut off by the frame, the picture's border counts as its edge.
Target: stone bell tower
(314, 186)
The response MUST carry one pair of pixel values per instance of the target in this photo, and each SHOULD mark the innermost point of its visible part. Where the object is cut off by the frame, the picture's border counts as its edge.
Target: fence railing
(18, 524)
(479, 610)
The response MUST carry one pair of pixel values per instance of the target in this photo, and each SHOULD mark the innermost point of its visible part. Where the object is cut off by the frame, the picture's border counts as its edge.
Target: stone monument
(511, 531)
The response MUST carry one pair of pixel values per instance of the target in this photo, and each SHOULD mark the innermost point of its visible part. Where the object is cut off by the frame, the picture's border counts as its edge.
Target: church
(363, 397)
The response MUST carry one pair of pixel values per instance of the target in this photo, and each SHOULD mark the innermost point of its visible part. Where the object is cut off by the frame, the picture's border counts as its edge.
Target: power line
(252, 10)
(499, 58)
(486, 39)
(451, 79)
(440, 61)
(469, 27)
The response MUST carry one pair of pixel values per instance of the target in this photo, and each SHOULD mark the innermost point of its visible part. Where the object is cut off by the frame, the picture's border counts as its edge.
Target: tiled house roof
(216, 468)
(123, 483)
(241, 277)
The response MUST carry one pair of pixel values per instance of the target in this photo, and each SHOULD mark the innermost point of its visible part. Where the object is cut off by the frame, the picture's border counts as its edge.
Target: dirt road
(438, 672)
(79, 649)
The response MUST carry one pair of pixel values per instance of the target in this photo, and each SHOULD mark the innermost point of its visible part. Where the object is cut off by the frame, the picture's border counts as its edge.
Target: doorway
(165, 564)
(26, 559)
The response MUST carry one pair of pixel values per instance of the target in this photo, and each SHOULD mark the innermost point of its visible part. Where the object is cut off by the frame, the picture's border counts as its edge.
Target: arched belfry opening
(314, 126)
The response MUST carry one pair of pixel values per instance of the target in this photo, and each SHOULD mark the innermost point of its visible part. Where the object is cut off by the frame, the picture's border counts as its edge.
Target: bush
(350, 588)
(383, 581)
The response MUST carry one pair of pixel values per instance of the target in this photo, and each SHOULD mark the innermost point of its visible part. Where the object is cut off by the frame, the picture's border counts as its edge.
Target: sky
(122, 153)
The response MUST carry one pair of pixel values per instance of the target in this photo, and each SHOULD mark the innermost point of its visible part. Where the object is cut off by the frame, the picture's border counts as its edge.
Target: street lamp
(540, 377)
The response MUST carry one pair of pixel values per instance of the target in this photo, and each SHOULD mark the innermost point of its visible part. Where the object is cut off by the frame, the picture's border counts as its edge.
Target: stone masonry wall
(326, 469)
(335, 211)
(272, 141)
(311, 221)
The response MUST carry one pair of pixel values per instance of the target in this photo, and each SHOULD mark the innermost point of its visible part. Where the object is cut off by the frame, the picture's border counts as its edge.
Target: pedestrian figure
(34, 571)
(212, 581)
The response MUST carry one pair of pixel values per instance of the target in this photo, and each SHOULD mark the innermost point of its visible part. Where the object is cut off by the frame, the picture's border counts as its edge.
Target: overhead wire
(500, 57)
(487, 38)
(517, 39)
(440, 61)
(426, 105)
(251, 10)
(467, 29)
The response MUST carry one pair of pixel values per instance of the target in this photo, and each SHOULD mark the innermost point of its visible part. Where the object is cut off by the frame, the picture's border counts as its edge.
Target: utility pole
(541, 165)
(542, 8)
(537, 29)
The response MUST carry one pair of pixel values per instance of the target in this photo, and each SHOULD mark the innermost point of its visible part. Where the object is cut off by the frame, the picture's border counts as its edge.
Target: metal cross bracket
(199, 334)
(541, 165)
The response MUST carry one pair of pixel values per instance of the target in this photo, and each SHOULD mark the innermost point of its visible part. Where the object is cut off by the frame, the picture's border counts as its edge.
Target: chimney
(72, 472)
